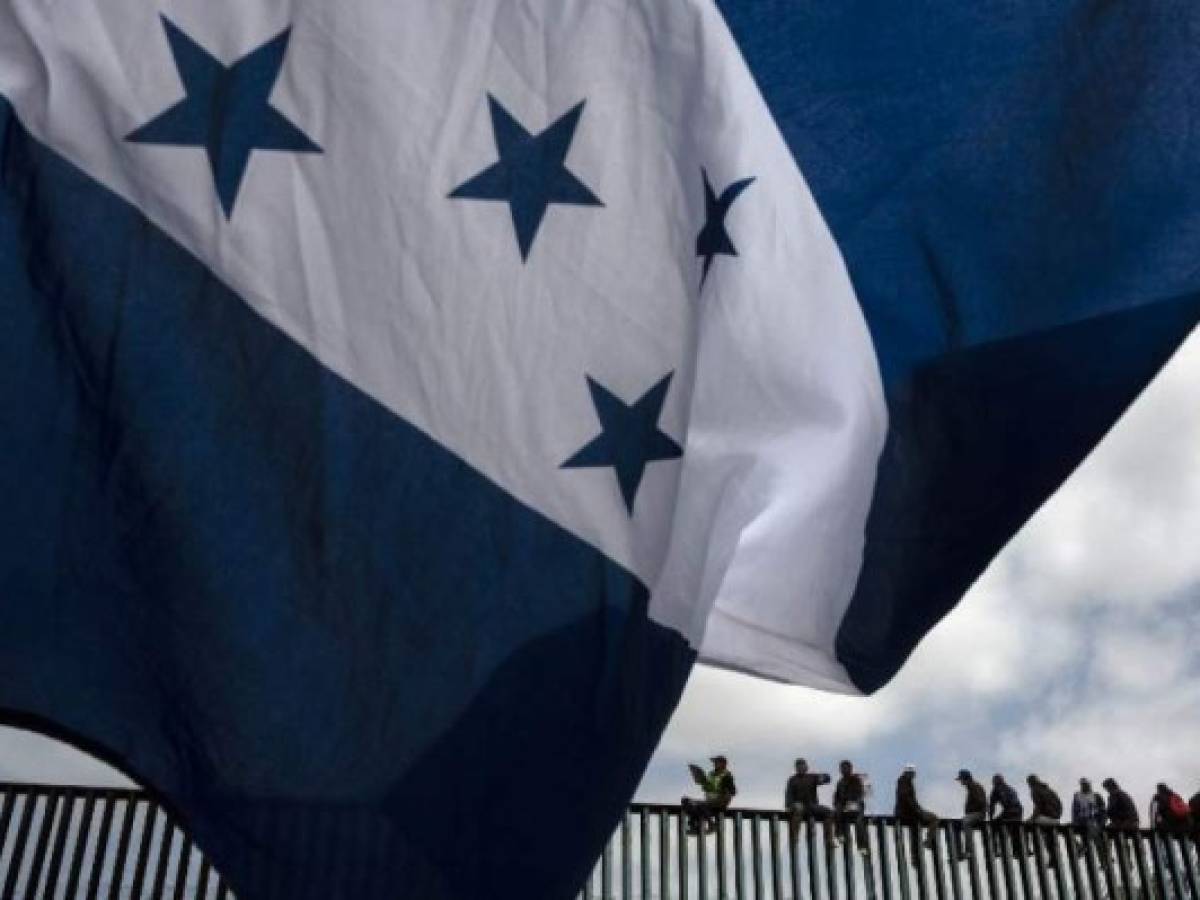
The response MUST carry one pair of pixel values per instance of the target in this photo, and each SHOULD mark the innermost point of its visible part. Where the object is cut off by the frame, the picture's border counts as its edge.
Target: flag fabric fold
(400, 398)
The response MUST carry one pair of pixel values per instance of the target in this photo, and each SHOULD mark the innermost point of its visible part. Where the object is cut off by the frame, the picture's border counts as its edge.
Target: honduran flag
(399, 397)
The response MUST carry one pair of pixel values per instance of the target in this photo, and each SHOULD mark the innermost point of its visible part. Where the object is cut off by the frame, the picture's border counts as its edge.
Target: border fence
(76, 843)
(750, 855)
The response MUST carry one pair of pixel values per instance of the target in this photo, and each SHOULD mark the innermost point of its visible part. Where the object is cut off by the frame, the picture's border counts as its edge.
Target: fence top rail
(41, 789)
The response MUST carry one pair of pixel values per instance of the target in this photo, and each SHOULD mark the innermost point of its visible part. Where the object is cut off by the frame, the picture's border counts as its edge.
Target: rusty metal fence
(71, 843)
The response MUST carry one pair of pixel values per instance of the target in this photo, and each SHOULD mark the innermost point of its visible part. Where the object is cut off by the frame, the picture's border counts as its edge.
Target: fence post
(43, 844)
(626, 859)
(644, 855)
(739, 863)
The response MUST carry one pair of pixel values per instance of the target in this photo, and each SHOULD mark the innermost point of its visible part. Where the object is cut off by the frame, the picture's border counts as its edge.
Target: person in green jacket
(719, 790)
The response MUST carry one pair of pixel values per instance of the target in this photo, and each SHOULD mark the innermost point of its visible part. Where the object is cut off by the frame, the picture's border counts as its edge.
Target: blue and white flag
(398, 398)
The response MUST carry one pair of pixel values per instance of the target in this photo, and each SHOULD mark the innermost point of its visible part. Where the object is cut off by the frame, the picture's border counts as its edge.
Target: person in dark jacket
(1122, 811)
(849, 805)
(1047, 810)
(1170, 813)
(910, 813)
(1010, 811)
(974, 812)
(1047, 807)
(1194, 806)
(801, 801)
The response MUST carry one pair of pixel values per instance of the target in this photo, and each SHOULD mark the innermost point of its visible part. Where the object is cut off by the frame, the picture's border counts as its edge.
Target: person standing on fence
(910, 813)
(1170, 812)
(1010, 814)
(719, 790)
(1122, 811)
(849, 806)
(1088, 813)
(1047, 811)
(974, 812)
(801, 801)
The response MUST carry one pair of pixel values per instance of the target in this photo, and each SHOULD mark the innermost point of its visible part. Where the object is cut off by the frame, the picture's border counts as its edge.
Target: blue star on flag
(714, 239)
(530, 174)
(225, 110)
(629, 438)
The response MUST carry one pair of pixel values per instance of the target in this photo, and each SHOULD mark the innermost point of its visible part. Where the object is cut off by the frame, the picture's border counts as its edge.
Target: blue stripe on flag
(348, 660)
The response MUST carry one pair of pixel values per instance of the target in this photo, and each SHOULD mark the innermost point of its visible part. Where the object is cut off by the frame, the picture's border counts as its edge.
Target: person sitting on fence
(1122, 811)
(1194, 806)
(911, 814)
(1011, 811)
(974, 812)
(1088, 812)
(849, 806)
(1047, 810)
(719, 790)
(801, 801)
(1170, 812)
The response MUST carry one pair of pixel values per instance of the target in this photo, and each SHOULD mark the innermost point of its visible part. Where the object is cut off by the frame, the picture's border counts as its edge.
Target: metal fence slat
(118, 869)
(6, 813)
(202, 880)
(739, 860)
(18, 854)
(776, 874)
(60, 843)
(182, 868)
(664, 856)
(80, 848)
(98, 855)
(626, 861)
(164, 856)
(1123, 865)
(885, 864)
(142, 859)
(682, 832)
(42, 846)
(1026, 834)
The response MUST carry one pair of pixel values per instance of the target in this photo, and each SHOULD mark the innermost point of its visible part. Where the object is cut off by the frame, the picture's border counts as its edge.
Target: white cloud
(1124, 527)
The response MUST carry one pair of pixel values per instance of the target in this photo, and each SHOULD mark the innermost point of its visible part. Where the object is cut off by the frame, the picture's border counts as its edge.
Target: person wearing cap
(801, 801)
(974, 812)
(1088, 812)
(1122, 811)
(849, 805)
(911, 814)
(719, 790)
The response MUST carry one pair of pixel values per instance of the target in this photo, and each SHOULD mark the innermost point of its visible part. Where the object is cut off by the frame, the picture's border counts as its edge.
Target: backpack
(1177, 807)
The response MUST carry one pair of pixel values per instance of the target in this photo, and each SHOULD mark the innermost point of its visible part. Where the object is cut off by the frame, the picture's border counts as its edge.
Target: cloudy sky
(1075, 654)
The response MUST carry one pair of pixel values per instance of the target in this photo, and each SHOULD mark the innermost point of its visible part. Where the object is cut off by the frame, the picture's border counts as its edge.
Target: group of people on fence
(1091, 813)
